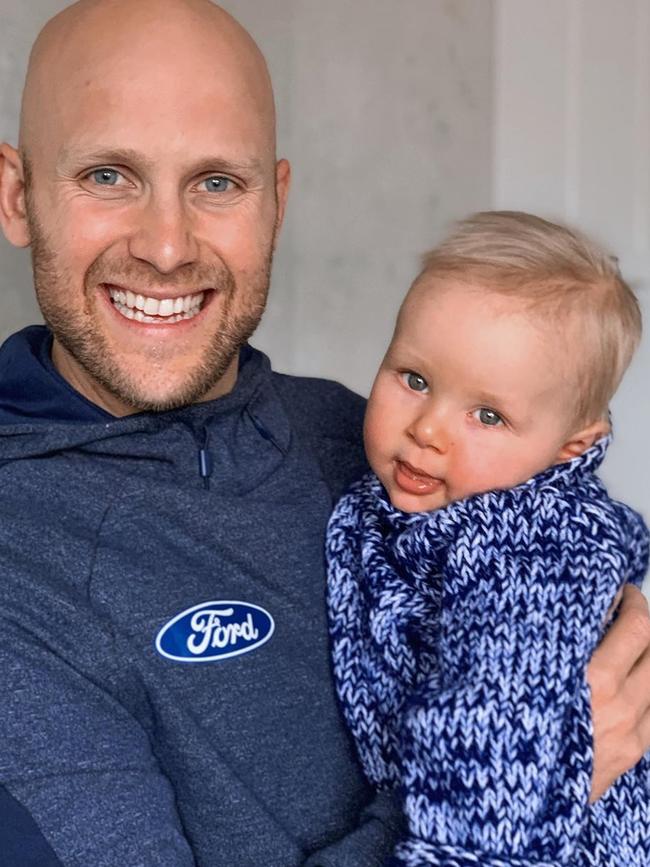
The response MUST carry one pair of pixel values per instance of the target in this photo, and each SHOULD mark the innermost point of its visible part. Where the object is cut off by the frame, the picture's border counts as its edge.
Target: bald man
(163, 643)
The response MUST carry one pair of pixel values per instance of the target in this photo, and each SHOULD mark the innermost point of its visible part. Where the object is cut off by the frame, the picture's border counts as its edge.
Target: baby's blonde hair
(560, 273)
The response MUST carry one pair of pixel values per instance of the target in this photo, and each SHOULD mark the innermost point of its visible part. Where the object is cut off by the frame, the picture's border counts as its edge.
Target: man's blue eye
(489, 417)
(217, 184)
(416, 382)
(106, 177)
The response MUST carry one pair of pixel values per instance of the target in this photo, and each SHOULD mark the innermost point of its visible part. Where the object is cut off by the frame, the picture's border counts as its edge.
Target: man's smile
(163, 311)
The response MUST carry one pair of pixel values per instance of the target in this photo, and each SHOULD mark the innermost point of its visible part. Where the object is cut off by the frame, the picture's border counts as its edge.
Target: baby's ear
(582, 440)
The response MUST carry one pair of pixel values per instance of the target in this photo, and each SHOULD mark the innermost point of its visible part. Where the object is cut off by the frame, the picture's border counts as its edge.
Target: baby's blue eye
(415, 381)
(217, 184)
(489, 417)
(105, 177)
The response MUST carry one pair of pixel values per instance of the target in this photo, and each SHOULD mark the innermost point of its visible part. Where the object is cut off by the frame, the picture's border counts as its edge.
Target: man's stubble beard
(77, 330)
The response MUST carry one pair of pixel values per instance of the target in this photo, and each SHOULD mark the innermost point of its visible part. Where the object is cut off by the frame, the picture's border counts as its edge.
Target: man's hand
(619, 677)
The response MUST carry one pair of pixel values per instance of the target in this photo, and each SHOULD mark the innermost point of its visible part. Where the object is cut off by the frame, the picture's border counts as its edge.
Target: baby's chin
(439, 499)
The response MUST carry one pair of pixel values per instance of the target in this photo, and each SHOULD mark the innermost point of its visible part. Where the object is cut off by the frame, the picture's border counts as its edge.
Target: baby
(470, 576)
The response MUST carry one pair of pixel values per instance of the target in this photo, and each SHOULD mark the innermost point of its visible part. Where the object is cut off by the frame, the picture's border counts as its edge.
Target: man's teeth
(145, 309)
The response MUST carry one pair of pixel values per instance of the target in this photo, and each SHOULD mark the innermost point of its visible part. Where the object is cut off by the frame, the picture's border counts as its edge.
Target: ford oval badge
(213, 631)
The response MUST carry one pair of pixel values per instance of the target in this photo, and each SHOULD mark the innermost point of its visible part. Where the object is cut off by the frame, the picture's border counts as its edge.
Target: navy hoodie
(164, 667)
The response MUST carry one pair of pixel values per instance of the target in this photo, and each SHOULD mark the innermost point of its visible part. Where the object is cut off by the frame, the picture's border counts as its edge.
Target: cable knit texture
(460, 641)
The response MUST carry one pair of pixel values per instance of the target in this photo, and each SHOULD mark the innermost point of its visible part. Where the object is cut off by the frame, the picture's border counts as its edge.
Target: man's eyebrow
(219, 163)
(128, 156)
(80, 156)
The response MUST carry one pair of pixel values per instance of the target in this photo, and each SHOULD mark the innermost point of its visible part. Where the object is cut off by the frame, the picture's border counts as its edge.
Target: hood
(31, 389)
(41, 414)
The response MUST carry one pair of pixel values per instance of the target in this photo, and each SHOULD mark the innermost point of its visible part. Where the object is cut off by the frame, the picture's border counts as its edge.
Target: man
(164, 653)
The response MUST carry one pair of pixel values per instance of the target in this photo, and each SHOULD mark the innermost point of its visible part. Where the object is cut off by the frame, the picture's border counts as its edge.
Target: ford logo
(214, 631)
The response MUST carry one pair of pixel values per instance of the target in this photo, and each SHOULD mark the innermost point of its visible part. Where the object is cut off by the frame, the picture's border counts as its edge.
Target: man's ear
(282, 183)
(13, 213)
(582, 440)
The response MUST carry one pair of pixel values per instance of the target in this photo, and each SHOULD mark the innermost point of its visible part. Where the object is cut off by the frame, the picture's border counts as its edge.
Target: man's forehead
(171, 71)
(143, 133)
(155, 68)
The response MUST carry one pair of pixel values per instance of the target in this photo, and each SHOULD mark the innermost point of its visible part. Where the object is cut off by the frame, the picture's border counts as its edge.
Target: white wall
(572, 141)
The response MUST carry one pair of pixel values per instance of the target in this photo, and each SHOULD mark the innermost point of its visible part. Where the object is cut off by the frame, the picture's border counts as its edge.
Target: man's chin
(147, 396)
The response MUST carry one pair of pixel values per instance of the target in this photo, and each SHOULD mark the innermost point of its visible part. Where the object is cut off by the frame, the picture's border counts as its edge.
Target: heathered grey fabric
(107, 531)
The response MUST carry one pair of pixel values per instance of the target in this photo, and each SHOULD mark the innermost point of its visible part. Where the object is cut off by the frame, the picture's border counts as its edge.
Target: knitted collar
(400, 552)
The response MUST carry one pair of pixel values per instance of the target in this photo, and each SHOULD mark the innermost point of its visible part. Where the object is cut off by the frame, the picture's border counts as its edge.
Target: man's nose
(431, 429)
(164, 237)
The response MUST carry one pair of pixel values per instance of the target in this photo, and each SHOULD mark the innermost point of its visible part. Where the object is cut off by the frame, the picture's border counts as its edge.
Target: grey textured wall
(385, 112)
(19, 24)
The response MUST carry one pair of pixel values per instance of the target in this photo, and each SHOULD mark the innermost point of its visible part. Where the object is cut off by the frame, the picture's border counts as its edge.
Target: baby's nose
(430, 430)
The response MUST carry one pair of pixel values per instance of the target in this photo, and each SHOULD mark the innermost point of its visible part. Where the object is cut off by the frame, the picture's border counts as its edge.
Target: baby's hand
(619, 677)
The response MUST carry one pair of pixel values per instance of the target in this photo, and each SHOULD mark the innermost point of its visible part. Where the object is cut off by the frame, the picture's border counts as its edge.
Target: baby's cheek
(374, 436)
(477, 470)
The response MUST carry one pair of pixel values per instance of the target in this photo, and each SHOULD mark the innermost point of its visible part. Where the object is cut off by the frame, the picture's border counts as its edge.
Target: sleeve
(371, 843)
(497, 755)
(78, 779)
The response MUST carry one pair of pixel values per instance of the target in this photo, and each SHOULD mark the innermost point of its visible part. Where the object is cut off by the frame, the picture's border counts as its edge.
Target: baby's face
(474, 394)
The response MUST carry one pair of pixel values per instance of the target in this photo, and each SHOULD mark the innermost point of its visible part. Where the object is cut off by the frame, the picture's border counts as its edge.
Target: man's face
(152, 209)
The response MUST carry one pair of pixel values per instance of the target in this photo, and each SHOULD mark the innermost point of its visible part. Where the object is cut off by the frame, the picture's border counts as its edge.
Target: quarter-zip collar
(40, 414)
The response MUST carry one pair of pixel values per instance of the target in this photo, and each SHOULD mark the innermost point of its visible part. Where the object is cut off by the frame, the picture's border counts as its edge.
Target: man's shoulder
(328, 419)
(321, 407)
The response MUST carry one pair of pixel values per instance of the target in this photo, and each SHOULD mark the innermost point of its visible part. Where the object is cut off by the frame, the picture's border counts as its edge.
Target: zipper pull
(205, 460)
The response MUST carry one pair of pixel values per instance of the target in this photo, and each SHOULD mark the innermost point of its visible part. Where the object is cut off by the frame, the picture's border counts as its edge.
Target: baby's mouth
(161, 311)
(414, 480)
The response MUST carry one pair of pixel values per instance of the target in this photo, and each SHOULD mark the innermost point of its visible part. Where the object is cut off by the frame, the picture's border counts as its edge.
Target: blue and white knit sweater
(460, 643)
